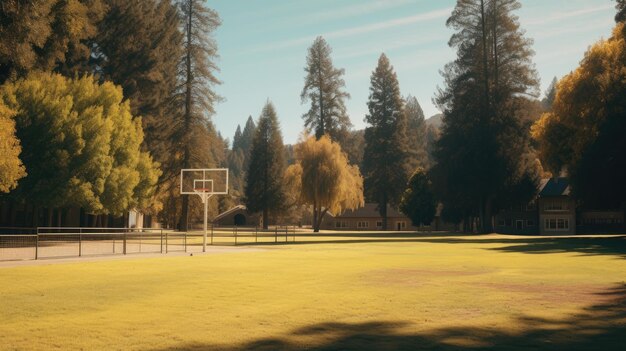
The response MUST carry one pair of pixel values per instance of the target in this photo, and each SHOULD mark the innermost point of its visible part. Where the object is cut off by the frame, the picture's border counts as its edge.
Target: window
(555, 205)
(341, 224)
(379, 224)
(531, 206)
(557, 224)
(362, 224)
(530, 223)
(501, 222)
(401, 225)
(509, 222)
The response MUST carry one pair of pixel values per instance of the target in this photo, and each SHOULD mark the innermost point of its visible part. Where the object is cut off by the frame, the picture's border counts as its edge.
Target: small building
(520, 219)
(237, 216)
(557, 209)
(367, 218)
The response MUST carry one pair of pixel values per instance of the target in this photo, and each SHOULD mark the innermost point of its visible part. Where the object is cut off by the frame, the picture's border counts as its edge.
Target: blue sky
(263, 46)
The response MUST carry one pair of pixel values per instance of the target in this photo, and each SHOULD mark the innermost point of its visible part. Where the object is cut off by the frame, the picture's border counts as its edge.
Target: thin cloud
(349, 32)
(359, 9)
(565, 15)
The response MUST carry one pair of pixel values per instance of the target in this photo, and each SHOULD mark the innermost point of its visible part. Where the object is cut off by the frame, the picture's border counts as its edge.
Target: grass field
(361, 292)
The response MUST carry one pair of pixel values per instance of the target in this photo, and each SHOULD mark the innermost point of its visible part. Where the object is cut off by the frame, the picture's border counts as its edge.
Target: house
(557, 209)
(520, 219)
(367, 218)
(238, 216)
(553, 211)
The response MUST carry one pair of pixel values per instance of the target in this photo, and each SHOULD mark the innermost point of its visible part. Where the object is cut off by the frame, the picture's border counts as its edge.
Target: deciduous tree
(323, 178)
(11, 167)
(418, 201)
(81, 145)
(584, 133)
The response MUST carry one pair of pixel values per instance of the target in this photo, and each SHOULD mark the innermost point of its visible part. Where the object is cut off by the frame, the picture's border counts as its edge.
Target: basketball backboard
(211, 181)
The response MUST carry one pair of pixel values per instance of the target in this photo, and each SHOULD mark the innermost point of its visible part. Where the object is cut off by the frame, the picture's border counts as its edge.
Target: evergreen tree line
(160, 53)
(485, 157)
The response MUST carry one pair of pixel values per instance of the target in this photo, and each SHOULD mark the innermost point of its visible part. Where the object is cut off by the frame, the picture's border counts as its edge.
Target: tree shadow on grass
(584, 245)
(598, 327)
(609, 245)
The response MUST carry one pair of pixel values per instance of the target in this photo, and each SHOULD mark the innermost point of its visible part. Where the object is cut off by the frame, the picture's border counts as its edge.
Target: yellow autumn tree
(584, 132)
(323, 178)
(11, 168)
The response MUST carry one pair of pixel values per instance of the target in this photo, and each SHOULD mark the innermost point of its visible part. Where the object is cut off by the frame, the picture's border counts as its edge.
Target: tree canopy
(484, 150)
(324, 88)
(324, 179)
(418, 201)
(584, 133)
(264, 190)
(11, 167)
(84, 146)
(195, 96)
(385, 164)
(46, 35)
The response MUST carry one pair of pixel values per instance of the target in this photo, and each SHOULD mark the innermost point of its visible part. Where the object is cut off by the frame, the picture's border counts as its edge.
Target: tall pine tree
(194, 132)
(324, 88)
(138, 46)
(384, 166)
(264, 179)
(46, 35)
(416, 135)
(483, 152)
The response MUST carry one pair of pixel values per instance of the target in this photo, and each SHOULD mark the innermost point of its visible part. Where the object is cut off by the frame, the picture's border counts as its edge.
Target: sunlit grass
(403, 287)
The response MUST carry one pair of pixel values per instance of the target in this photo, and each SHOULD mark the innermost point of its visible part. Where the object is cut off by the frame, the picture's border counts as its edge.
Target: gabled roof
(370, 210)
(554, 187)
(226, 213)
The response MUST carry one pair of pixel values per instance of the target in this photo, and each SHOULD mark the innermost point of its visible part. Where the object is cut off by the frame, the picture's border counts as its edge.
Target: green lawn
(362, 292)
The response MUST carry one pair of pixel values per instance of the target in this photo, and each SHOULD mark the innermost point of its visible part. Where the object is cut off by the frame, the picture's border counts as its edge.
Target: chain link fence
(66, 242)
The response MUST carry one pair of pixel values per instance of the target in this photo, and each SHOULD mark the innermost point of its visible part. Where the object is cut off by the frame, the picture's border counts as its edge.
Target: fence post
(124, 245)
(236, 231)
(37, 245)
(80, 242)
(185, 241)
(166, 244)
(211, 234)
(256, 234)
(275, 234)
(161, 240)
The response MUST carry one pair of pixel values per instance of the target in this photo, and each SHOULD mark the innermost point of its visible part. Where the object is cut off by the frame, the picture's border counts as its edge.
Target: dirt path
(192, 251)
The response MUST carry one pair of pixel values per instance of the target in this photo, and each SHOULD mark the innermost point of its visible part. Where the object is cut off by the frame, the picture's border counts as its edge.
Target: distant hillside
(435, 121)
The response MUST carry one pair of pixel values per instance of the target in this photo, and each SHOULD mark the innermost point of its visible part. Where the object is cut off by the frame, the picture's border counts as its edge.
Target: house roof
(370, 210)
(554, 187)
(232, 210)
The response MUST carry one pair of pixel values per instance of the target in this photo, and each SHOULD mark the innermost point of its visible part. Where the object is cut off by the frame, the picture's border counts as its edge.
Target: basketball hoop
(204, 182)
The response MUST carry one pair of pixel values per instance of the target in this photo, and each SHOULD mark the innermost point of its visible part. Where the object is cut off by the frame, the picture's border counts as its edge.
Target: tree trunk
(484, 47)
(50, 215)
(183, 224)
(36, 216)
(383, 212)
(488, 220)
(316, 227)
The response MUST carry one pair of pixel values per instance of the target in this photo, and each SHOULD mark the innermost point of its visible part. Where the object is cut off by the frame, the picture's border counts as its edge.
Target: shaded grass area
(361, 291)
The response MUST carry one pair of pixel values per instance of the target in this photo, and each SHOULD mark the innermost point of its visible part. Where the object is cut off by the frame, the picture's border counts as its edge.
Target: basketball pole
(205, 199)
